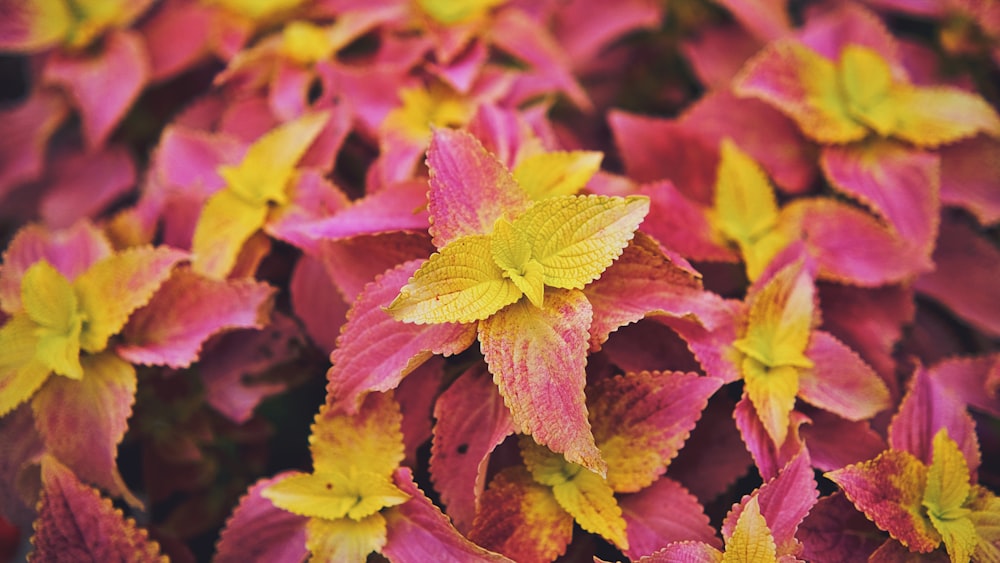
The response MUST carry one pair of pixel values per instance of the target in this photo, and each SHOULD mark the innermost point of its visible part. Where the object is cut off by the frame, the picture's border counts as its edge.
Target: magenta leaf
(418, 531)
(714, 438)
(470, 188)
(317, 303)
(835, 531)
(24, 133)
(970, 177)
(375, 351)
(186, 311)
(829, 449)
(663, 513)
(76, 524)
(259, 531)
(927, 408)
(103, 85)
(397, 207)
(969, 379)
(188, 159)
(973, 294)
(472, 421)
(98, 406)
(354, 262)
(768, 458)
(680, 224)
(84, 184)
(841, 382)
(829, 31)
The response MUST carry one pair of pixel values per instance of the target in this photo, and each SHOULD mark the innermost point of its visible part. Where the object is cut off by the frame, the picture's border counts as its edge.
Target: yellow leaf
(306, 43)
(461, 283)
(48, 22)
(780, 320)
(985, 516)
(575, 238)
(369, 441)
(945, 497)
(49, 301)
(546, 467)
(758, 254)
(451, 12)
(422, 108)
(335, 495)
(557, 173)
(745, 207)
(934, 116)
(867, 81)
(345, 540)
(227, 221)
(512, 252)
(259, 11)
(21, 373)
(752, 540)
(772, 392)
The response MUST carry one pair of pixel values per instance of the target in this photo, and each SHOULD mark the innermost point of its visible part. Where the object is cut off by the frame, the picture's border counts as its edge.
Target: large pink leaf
(98, 406)
(416, 395)
(375, 351)
(663, 513)
(24, 133)
(472, 421)
(841, 382)
(503, 132)
(418, 531)
(769, 458)
(188, 160)
(235, 369)
(186, 311)
(714, 348)
(898, 182)
(964, 281)
(177, 37)
(470, 188)
(82, 185)
(584, 27)
(716, 53)
(398, 207)
(644, 282)
(259, 531)
(641, 421)
(835, 531)
(103, 85)
(314, 199)
(784, 502)
(970, 177)
(835, 442)
(927, 408)
(76, 524)
(354, 262)
(537, 357)
(969, 379)
(851, 246)
(71, 251)
(317, 303)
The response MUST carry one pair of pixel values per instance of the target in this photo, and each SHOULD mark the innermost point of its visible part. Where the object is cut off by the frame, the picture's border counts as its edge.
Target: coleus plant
(588, 281)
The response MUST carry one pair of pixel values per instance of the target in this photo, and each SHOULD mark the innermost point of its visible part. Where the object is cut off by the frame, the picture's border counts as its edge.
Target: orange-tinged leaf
(521, 518)
(21, 373)
(267, 169)
(751, 541)
(868, 82)
(575, 238)
(345, 540)
(933, 116)
(333, 496)
(945, 497)
(557, 173)
(227, 221)
(772, 392)
(780, 320)
(114, 287)
(802, 84)
(369, 441)
(461, 283)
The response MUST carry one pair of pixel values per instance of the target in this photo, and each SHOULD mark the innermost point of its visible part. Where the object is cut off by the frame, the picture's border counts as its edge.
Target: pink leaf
(398, 207)
(835, 531)
(98, 406)
(103, 86)
(416, 395)
(352, 263)
(927, 408)
(716, 53)
(472, 421)
(188, 160)
(766, 19)
(829, 445)
(186, 311)
(969, 380)
(972, 295)
(418, 531)
(584, 28)
(24, 133)
(537, 357)
(663, 513)
(375, 351)
(259, 531)
(76, 524)
(315, 199)
(503, 132)
(970, 177)
(768, 458)
(470, 188)
(177, 36)
(22, 447)
(841, 382)
(71, 251)
(82, 185)
(681, 225)
(898, 182)
(317, 303)
(714, 348)
(830, 28)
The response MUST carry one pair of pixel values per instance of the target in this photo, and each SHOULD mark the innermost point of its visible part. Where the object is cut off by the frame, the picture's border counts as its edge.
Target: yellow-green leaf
(867, 81)
(945, 498)
(335, 495)
(345, 540)
(461, 283)
(267, 169)
(451, 12)
(227, 221)
(772, 392)
(752, 540)
(934, 116)
(48, 297)
(369, 441)
(575, 238)
(780, 320)
(745, 207)
(557, 173)
(513, 254)
(21, 372)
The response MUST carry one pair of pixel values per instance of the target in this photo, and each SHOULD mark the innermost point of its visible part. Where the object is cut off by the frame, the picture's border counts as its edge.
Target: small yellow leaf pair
(560, 242)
